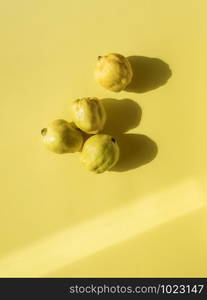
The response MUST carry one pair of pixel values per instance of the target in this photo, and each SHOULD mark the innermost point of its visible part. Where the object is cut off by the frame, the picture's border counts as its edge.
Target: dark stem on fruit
(99, 57)
(43, 131)
(113, 140)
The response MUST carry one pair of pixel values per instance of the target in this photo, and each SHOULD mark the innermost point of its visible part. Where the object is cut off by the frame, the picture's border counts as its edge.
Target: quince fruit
(88, 114)
(100, 153)
(113, 72)
(62, 137)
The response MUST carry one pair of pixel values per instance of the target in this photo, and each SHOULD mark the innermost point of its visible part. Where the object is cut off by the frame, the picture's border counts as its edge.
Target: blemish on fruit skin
(44, 131)
(113, 140)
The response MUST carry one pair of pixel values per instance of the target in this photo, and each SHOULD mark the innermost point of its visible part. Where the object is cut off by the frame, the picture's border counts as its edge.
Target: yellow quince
(62, 137)
(100, 153)
(113, 72)
(88, 114)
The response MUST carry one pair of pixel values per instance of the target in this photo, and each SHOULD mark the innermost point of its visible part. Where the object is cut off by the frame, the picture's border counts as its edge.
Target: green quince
(88, 114)
(62, 137)
(100, 153)
(113, 72)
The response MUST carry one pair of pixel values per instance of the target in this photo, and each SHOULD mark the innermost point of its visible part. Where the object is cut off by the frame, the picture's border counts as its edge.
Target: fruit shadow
(122, 115)
(135, 149)
(148, 74)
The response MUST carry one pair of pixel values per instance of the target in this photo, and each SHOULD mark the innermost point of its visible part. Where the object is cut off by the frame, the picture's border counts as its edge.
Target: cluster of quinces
(98, 152)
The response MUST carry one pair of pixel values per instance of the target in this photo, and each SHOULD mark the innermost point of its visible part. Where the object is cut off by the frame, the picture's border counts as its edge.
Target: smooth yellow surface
(142, 219)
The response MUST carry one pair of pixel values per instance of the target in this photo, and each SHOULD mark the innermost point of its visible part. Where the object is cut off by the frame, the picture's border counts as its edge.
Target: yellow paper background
(47, 57)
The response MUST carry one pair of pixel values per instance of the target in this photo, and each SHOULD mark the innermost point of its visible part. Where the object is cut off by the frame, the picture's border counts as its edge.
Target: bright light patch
(73, 244)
